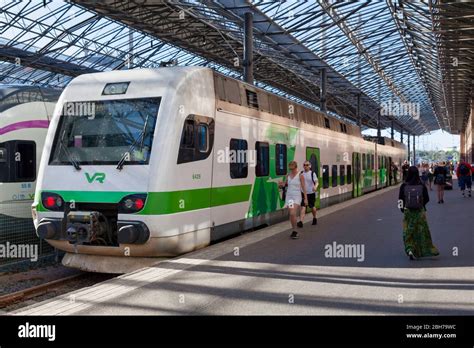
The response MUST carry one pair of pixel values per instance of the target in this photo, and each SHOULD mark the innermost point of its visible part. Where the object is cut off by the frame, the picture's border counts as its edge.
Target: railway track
(53, 288)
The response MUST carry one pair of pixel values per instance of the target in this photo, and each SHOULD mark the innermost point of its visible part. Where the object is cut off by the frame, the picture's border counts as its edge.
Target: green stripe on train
(160, 203)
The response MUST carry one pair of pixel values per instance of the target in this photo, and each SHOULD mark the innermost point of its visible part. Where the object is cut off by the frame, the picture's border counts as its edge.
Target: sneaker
(315, 221)
(442, 201)
(412, 257)
(300, 224)
(294, 235)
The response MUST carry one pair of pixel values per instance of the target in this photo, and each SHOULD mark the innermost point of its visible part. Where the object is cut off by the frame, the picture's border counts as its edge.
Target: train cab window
(326, 123)
(263, 158)
(197, 139)
(203, 137)
(280, 152)
(239, 164)
(325, 176)
(3, 155)
(364, 163)
(187, 140)
(25, 160)
(334, 176)
(18, 161)
(4, 172)
(342, 173)
(349, 174)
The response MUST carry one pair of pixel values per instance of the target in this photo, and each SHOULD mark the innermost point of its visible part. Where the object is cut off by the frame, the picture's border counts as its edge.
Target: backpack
(414, 196)
(463, 170)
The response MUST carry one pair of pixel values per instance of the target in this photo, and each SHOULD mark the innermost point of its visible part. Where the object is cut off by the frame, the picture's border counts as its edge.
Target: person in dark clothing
(405, 167)
(440, 174)
(412, 199)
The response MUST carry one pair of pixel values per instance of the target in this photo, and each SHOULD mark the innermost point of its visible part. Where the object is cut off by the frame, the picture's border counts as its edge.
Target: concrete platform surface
(267, 273)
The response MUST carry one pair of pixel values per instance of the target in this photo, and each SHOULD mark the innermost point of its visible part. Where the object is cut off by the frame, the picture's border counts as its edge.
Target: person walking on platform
(440, 173)
(412, 198)
(424, 174)
(395, 172)
(295, 184)
(464, 172)
(430, 176)
(405, 167)
(311, 183)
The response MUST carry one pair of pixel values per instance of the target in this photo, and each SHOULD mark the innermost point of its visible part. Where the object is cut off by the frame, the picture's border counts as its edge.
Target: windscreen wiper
(141, 138)
(68, 153)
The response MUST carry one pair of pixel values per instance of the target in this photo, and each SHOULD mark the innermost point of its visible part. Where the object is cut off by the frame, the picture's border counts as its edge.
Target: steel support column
(248, 47)
(359, 113)
(414, 153)
(408, 145)
(323, 89)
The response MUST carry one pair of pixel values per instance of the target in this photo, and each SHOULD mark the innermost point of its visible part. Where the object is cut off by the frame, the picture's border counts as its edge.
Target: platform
(267, 273)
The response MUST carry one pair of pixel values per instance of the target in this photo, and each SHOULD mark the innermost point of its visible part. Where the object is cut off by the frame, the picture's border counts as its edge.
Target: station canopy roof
(412, 60)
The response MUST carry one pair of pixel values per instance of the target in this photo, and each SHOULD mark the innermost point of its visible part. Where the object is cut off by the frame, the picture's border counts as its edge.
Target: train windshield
(105, 132)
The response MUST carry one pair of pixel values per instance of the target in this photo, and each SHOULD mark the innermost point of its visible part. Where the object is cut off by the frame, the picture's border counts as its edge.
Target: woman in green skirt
(413, 198)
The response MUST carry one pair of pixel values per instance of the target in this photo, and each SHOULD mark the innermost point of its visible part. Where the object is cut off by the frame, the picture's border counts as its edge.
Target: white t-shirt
(308, 182)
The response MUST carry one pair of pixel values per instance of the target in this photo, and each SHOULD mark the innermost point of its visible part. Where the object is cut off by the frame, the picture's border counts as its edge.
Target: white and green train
(159, 162)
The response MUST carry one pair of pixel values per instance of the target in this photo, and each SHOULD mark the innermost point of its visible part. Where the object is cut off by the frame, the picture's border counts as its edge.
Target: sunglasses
(306, 165)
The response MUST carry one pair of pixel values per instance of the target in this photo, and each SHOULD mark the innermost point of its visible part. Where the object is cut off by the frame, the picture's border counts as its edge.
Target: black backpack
(414, 196)
(463, 170)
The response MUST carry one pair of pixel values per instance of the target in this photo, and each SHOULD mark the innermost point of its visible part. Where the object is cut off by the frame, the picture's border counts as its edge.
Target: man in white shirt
(311, 183)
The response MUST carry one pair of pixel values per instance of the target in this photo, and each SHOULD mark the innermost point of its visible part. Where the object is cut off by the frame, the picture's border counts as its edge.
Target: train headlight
(52, 201)
(132, 203)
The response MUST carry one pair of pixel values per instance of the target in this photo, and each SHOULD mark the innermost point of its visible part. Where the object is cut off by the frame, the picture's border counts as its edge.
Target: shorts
(311, 200)
(465, 181)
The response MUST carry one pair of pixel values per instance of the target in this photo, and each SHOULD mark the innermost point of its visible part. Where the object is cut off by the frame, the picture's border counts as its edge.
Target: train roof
(12, 95)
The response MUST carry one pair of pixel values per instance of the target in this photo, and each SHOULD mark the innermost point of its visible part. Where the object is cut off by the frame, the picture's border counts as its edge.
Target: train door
(356, 182)
(313, 156)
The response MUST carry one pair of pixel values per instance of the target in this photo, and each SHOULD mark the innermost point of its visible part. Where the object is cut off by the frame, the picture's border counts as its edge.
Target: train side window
(280, 150)
(349, 174)
(342, 173)
(263, 158)
(364, 163)
(239, 166)
(197, 139)
(203, 137)
(345, 128)
(25, 161)
(334, 176)
(325, 176)
(342, 127)
(372, 162)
